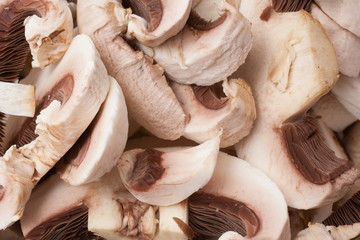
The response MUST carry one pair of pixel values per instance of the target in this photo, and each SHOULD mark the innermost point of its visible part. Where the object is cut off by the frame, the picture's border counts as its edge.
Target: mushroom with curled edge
(167, 176)
(228, 106)
(228, 202)
(155, 21)
(213, 44)
(297, 151)
(99, 148)
(149, 98)
(317, 231)
(68, 102)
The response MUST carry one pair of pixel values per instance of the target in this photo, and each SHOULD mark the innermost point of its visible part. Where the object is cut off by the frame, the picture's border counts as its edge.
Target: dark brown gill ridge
(211, 97)
(291, 5)
(198, 23)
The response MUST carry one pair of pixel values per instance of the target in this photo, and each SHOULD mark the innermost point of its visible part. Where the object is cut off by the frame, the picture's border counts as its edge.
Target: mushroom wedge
(73, 94)
(169, 175)
(149, 98)
(317, 231)
(213, 44)
(228, 106)
(101, 145)
(228, 202)
(153, 22)
(286, 82)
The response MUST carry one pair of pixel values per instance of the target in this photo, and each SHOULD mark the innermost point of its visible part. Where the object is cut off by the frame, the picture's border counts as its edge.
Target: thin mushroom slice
(213, 44)
(149, 98)
(101, 145)
(228, 202)
(153, 22)
(73, 94)
(317, 231)
(168, 176)
(228, 105)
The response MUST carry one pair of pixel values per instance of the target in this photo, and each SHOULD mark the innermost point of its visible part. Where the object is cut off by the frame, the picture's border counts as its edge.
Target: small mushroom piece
(213, 44)
(317, 231)
(50, 35)
(228, 106)
(99, 148)
(17, 99)
(149, 99)
(228, 202)
(153, 22)
(167, 176)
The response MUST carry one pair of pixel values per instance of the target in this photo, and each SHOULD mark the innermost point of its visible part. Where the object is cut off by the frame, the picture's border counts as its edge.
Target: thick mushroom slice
(297, 151)
(168, 176)
(153, 22)
(67, 103)
(213, 44)
(149, 98)
(101, 145)
(228, 106)
(228, 202)
(317, 231)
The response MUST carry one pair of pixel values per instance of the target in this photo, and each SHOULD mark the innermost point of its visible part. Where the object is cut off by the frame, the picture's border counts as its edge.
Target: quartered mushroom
(66, 104)
(99, 148)
(149, 98)
(228, 105)
(317, 231)
(212, 45)
(230, 202)
(169, 175)
(154, 21)
(297, 151)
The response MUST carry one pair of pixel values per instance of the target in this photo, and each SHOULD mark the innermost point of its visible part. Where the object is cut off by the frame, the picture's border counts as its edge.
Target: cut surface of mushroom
(317, 231)
(101, 145)
(228, 203)
(168, 176)
(153, 22)
(228, 106)
(149, 98)
(207, 50)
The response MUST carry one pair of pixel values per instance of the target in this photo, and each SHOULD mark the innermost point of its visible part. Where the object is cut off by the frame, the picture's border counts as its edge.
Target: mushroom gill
(197, 22)
(211, 97)
(291, 5)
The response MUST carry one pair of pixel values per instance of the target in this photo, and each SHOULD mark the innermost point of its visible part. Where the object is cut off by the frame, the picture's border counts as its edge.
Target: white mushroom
(167, 176)
(213, 44)
(317, 231)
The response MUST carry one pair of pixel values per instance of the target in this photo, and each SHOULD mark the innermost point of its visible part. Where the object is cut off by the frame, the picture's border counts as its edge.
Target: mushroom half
(167, 176)
(228, 105)
(213, 44)
(230, 202)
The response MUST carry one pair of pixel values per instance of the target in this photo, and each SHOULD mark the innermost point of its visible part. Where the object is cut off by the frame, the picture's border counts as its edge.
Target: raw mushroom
(317, 231)
(228, 105)
(154, 21)
(149, 99)
(167, 176)
(73, 94)
(213, 44)
(297, 151)
(230, 202)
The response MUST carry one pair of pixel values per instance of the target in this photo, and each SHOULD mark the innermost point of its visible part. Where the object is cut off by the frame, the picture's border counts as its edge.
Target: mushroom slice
(17, 99)
(347, 44)
(228, 202)
(168, 176)
(49, 36)
(73, 94)
(228, 106)
(101, 145)
(213, 44)
(149, 98)
(153, 22)
(317, 231)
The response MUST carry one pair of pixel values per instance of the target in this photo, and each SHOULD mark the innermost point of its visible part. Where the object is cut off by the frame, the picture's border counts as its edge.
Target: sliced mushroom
(73, 94)
(347, 44)
(153, 22)
(169, 175)
(228, 106)
(297, 151)
(213, 44)
(317, 231)
(50, 35)
(228, 202)
(149, 99)
(101, 145)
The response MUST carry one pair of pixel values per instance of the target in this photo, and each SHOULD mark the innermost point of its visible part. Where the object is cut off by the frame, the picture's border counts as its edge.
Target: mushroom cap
(205, 57)
(101, 145)
(178, 173)
(173, 18)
